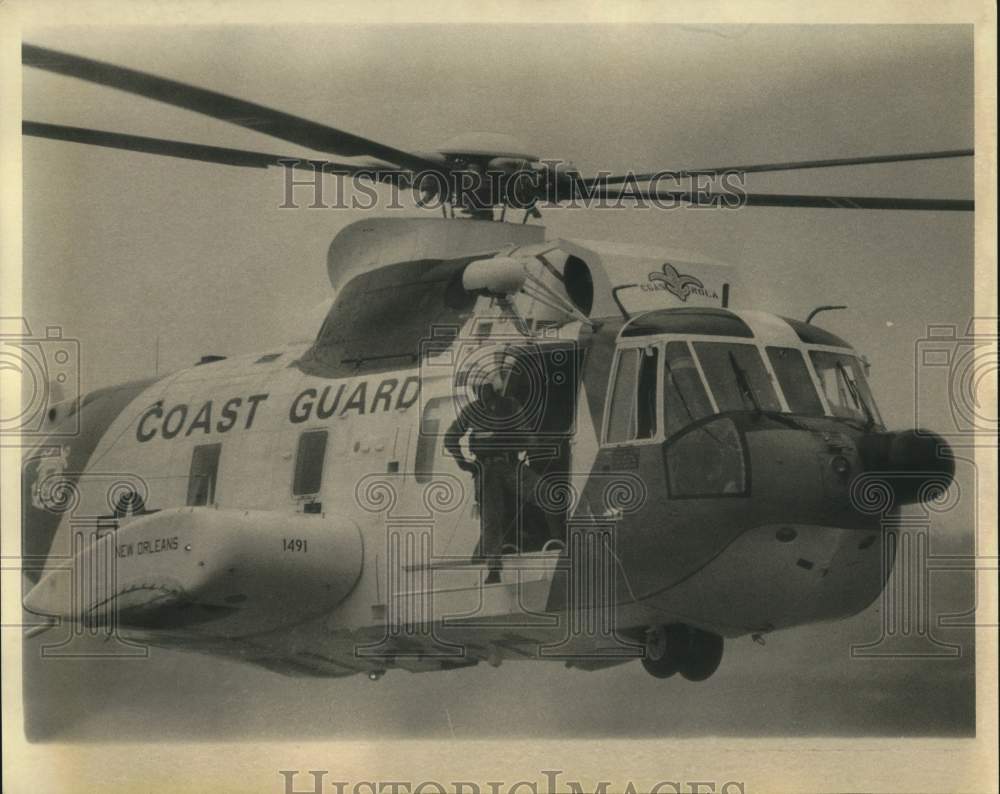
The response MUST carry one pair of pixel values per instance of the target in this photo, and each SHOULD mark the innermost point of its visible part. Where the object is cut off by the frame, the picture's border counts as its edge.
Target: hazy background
(123, 249)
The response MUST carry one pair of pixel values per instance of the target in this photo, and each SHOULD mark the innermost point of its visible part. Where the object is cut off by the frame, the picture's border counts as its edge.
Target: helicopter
(712, 469)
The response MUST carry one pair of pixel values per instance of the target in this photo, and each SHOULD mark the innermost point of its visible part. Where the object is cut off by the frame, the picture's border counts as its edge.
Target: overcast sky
(122, 249)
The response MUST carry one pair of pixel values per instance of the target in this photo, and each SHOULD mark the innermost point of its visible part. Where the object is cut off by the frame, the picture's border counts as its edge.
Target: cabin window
(634, 399)
(737, 377)
(438, 415)
(707, 461)
(793, 377)
(204, 471)
(309, 463)
(844, 385)
(684, 397)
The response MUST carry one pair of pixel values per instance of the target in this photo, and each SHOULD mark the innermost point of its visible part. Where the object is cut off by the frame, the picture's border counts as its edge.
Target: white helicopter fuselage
(299, 510)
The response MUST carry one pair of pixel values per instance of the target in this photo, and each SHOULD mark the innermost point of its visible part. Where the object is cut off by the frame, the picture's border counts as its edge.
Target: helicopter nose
(917, 464)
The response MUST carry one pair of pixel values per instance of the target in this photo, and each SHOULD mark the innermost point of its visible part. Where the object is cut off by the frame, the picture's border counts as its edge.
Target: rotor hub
(486, 146)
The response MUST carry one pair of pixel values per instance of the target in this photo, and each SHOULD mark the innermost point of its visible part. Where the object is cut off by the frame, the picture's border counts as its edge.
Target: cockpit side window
(645, 394)
(793, 377)
(684, 397)
(634, 400)
(737, 376)
(845, 386)
(622, 416)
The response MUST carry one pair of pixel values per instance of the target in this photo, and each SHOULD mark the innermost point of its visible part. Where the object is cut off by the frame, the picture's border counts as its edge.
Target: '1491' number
(294, 544)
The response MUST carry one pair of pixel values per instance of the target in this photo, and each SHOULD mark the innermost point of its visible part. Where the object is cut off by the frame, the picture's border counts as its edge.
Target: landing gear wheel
(701, 655)
(660, 659)
(677, 648)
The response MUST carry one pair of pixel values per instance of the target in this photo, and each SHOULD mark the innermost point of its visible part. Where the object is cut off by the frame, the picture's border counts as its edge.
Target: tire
(660, 668)
(702, 655)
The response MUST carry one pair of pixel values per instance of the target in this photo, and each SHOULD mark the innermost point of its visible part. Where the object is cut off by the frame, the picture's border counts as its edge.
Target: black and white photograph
(500, 400)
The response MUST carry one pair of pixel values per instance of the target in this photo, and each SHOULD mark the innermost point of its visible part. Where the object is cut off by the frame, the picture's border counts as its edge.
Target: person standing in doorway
(491, 424)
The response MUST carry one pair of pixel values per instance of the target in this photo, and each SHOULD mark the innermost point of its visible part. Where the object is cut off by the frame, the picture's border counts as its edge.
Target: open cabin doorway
(543, 377)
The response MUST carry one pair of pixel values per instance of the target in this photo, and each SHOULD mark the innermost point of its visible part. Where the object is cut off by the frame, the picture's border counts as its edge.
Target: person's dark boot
(493, 577)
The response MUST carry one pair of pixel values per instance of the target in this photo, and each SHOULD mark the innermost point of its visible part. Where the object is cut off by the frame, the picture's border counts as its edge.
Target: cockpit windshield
(684, 397)
(701, 378)
(793, 376)
(843, 382)
(736, 376)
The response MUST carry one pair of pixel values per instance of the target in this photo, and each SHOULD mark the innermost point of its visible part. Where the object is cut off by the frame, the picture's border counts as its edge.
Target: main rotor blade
(220, 106)
(190, 151)
(789, 166)
(181, 149)
(733, 200)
